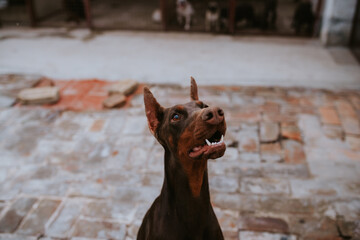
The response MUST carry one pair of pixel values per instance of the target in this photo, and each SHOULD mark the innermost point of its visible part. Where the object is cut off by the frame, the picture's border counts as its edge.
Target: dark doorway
(355, 36)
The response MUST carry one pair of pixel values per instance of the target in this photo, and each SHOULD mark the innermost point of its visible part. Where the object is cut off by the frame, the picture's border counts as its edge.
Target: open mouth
(212, 147)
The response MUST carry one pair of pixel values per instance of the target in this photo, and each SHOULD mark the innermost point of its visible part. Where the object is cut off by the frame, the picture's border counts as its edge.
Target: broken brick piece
(40, 95)
(114, 100)
(125, 87)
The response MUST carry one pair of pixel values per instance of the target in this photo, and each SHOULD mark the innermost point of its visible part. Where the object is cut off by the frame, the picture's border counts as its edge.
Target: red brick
(345, 109)
(290, 131)
(351, 125)
(353, 142)
(293, 152)
(89, 102)
(329, 116)
(271, 107)
(355, 100)
(249, 117)
(280, 117)
(270, 148)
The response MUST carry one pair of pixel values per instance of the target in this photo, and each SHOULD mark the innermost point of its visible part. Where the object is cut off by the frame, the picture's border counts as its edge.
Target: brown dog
(191, 134)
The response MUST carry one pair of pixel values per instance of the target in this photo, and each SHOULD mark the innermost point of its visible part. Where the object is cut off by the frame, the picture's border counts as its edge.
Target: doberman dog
(190, 134)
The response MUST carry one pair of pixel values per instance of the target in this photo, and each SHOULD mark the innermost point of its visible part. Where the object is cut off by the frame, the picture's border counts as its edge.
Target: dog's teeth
(207, 142)
(222, 138)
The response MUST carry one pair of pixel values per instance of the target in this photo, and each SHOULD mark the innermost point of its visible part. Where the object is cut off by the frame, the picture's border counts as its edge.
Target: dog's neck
(177, 190)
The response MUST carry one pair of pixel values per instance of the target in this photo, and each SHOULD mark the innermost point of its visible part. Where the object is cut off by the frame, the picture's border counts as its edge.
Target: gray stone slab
(111, 209)
(34, 224)
(61, 225)
(16, 237)
(224, 184)
(99, 229)
(265, 186)
(17, 211)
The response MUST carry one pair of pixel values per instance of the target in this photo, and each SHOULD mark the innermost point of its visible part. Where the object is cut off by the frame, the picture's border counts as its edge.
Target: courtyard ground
(291, 169)
(76, 171)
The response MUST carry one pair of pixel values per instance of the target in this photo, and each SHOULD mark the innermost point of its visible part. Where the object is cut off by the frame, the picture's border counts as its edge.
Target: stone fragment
(329, 115)
(249, 235)
(115, 100)
(353, 142)
(263, 224)
(41, 95)
(35, 223)
(290, 131)
(293, 152)
(60, 227)
(269, 131)
(12, 218)
(125, 87)
(99, 230)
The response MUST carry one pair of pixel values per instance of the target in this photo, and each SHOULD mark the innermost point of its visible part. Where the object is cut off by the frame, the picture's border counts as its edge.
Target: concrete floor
(174, 57)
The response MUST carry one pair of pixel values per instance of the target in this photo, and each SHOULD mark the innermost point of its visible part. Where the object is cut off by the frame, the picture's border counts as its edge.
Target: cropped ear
(194, 91)
(154, 111)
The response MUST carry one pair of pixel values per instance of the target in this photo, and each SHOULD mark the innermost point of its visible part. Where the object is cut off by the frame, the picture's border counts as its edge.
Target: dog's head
(213, 7)
(181, 3)
(192, 131)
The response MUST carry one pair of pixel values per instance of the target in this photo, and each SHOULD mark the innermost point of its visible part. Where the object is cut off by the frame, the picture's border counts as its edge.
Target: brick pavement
(291, 170)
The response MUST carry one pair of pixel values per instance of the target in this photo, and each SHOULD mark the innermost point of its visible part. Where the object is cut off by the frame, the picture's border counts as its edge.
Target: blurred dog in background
(185, 12)
(212, 17)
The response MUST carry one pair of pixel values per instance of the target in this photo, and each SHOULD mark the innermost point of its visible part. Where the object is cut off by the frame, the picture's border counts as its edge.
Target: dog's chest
(212, 16)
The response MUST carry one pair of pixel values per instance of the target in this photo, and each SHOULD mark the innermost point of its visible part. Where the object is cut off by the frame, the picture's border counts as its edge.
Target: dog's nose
(213, 115)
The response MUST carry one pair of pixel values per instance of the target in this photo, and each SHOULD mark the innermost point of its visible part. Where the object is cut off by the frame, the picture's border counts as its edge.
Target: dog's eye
(204, 106)
(175, 117)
